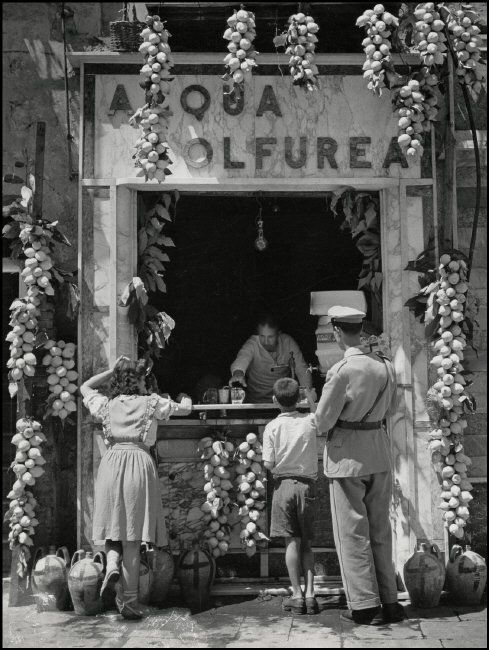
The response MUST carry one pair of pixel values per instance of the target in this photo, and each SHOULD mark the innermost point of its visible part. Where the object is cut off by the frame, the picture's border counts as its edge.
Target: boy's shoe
(294, 605)
(393, 613)
(369, 616)
(312, 605)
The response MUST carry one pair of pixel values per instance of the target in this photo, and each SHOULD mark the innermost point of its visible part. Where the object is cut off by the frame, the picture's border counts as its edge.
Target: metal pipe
(451, 109)
(473, 130)
(435, 195)
(69, 137)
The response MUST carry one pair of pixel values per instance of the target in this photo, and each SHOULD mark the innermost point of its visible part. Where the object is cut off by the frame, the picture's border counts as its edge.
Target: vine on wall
(154, 327)
(32, 244)
(448, 308)
(360, 212)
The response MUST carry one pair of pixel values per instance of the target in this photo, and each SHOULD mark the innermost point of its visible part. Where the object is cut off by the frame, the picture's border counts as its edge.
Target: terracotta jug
(163, 567)
(84, 581)
(49, 578)
(466, 575)
(196, 573)
(424, 575)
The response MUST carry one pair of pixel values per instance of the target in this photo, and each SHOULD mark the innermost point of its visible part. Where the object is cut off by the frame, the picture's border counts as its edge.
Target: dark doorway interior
(217, 281)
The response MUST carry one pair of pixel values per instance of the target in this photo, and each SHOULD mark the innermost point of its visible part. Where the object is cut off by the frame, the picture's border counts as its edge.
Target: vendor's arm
(311, 399)
(242, 361)
(301, 367)
(332, 401)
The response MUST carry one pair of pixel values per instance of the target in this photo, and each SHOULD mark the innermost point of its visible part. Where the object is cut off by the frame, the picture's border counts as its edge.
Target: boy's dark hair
(347, 328)
(267, 318)
(286, 392)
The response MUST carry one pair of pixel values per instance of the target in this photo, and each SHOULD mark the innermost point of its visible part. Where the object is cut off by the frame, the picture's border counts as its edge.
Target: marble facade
(334, 112)
(109, 250)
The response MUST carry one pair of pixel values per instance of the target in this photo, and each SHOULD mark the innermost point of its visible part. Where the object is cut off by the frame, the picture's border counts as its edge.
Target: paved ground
(245, 624)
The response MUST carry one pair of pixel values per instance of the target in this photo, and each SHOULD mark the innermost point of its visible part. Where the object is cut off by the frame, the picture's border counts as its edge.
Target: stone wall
(34, 90)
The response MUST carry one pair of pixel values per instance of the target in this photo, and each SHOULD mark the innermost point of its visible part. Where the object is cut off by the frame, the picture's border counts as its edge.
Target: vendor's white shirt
(256, 363)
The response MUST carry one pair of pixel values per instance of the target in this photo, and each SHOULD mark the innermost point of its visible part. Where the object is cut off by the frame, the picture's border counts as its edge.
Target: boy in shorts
(290, 453)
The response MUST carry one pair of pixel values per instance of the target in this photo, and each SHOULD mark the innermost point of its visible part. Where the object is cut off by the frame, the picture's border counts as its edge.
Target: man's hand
(238, 377)
(311, 395)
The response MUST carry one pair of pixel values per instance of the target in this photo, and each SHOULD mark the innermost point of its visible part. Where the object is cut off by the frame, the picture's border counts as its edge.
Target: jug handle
(39, 550)
(436, 551)
(101, 558)
(76, 554)
(64, 552)
(455, 552)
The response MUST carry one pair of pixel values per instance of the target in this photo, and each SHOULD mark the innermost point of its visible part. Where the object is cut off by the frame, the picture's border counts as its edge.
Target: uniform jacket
(350, 390)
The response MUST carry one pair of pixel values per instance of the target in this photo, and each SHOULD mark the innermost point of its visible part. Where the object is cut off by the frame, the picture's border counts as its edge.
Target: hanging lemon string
(447, 300)
(415, 95)
(241, 59)
(152, 154)
(216, 455)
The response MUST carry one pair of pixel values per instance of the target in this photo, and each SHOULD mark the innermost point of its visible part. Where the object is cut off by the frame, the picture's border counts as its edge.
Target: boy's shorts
(293, 508)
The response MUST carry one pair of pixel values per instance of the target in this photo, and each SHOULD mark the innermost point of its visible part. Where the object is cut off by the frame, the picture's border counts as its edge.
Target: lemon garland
(36, 240)
(301, 45)
(250, 484)
(447, 301)
(415, 98)
(60, 368)
(377, 46)
(464, 29)
(241, 59)
(27, 466)
(153, 118)
(216, 455)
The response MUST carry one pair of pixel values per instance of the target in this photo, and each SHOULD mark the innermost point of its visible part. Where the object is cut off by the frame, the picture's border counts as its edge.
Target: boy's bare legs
(307, 562)
(293, 562)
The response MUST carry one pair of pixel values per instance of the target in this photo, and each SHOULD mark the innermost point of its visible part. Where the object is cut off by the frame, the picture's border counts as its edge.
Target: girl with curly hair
(127, 504)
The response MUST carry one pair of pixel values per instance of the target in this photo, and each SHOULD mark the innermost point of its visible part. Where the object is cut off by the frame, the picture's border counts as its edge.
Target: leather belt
(366, 426)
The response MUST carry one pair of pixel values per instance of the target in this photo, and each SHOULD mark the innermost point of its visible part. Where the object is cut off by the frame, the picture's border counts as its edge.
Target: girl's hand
(181, 396)
(122, 357)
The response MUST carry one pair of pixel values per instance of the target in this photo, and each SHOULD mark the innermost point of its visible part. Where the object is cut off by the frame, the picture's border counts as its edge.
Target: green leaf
(156, 252)
(157, 224)
(167, 200)
(13, 178)
(142, 241)
(151, 282)
(166, 241)
(160, 283)
(280, 40)
(162, 211)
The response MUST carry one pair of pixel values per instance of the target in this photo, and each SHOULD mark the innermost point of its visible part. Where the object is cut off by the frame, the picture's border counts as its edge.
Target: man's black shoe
(369, 616)
(393, 613)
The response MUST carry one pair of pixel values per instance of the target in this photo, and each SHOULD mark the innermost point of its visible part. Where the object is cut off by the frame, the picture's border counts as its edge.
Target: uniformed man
(265, 357)
(359, 392)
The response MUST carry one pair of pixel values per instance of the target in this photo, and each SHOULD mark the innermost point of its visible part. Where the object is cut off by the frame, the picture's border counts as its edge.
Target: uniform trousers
(363, 538)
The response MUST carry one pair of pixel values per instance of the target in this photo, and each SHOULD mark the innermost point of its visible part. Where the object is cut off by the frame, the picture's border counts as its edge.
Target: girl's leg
(130, 570)
(113, 550)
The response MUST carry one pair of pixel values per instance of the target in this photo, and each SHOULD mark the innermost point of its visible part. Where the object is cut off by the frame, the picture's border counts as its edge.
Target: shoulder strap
(151, 403)
(381, 392)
